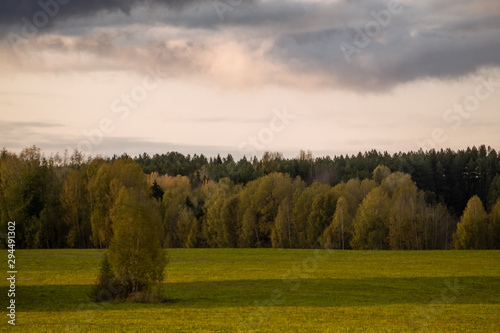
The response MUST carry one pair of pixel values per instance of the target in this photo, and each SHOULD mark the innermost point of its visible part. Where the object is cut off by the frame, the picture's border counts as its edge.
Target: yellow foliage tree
(472, 230)
(494, 226)
(135, 253)
(371, 222)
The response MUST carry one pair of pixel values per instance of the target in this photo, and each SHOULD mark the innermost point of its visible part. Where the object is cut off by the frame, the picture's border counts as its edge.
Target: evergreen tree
(156, 191)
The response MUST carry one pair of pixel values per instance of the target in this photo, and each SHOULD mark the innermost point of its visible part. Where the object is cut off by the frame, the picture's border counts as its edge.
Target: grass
(268, 290)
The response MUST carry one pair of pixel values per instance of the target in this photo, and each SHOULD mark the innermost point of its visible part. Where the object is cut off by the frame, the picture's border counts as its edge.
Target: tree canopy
(366, 201)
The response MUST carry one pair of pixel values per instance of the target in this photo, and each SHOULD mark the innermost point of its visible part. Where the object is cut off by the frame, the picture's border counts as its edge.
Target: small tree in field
(135, 252)
(106, 288)
(472, 230)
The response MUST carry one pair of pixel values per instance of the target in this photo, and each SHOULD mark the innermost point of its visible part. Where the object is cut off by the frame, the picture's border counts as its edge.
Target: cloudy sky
(243, 76)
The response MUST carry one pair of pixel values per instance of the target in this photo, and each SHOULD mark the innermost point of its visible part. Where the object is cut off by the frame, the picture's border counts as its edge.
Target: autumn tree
(74, 204)
(67, 200)
(380, 173)
(494, 226)
(101, 204)
(135, 253)
(323, 208)
(282, 232)
(439, 228)
(407, 216)
(12, 205)
(301, 209)
(371, 222)
(25, 192)
(230, 217)
(339, 233)
(391, 183)
(52, 228)
(177, 191)
(221, 212)
(249, 235)
(472, 230)
(259, 205)
(354, 191)
(186, 229)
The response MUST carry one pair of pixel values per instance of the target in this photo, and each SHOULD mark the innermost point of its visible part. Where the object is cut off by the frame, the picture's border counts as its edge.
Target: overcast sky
(243, 77)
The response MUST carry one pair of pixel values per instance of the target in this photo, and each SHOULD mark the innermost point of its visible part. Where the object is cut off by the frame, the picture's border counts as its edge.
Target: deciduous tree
(494, 226)
(472, 230)
(74, 204)
(338, 235)
(135, 252)
(371, 229)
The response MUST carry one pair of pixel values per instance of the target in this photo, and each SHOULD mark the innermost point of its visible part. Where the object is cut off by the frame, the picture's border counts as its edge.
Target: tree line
(369, 201)
(446, 176)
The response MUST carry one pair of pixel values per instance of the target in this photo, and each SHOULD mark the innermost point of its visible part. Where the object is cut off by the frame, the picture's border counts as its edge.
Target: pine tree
(156, 191)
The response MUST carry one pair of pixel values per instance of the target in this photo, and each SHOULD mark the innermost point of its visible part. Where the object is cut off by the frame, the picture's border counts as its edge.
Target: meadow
(267, 290)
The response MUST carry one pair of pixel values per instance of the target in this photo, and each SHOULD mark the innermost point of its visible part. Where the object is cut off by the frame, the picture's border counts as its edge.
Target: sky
(249, 76)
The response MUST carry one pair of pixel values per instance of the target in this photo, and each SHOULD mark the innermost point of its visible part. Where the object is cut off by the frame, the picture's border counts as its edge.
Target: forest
(417, 200)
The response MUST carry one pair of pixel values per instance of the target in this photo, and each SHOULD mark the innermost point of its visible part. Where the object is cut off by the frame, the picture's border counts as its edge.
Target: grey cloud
(24, 126)
(429, 39)
(174, 58)
(12, 11)
(413, 46)
(15, 135)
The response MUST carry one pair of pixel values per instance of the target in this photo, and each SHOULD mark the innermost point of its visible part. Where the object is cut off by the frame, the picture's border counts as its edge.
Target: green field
(268, 290)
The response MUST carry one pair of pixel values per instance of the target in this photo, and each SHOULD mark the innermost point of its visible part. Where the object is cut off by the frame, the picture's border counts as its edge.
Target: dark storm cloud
(426, 39)
(11, 11)
(15, 12)
(421, 41)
